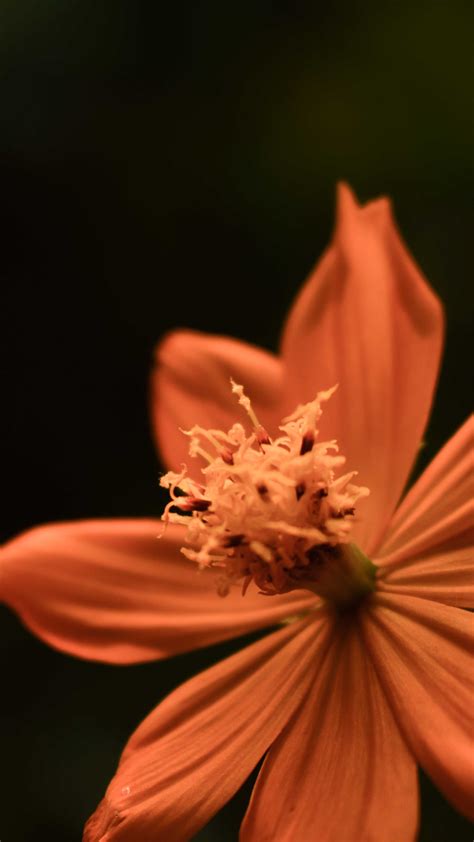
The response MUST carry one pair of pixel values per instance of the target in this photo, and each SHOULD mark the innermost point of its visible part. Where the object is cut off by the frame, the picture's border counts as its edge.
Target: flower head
(341, 703)
(272, 511)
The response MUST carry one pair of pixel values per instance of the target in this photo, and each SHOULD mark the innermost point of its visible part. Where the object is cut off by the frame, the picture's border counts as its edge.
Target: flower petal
(367, 319)
(429, 549)
(423, 654)
(341, 769)
(112, 591)
(446, 485)
(194, 751)
(446, 576)
(191, 385)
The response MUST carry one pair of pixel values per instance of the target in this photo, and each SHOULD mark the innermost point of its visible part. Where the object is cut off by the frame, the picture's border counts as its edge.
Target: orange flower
(351, 692)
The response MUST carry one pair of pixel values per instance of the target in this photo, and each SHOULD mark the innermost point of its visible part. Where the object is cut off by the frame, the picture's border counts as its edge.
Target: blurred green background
(175, 165)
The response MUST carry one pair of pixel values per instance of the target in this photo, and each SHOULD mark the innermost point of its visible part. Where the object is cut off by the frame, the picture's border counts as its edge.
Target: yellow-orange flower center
(272, 511)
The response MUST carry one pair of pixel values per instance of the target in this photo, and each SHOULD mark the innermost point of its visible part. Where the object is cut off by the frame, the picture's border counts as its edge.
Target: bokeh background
(170, 165)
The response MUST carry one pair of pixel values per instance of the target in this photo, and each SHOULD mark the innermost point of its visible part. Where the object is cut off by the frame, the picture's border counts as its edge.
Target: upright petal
(195, 750)
(429, 548)
(112, 591)
(191, 385)
(423, 654)
(367, 319)
(341, 769)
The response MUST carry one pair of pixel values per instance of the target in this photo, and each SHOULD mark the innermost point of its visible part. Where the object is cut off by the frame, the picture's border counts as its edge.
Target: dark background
(166, 166)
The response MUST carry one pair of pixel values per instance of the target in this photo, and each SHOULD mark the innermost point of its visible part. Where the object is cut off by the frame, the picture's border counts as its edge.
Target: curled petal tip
(348, 205)
(345, 198)
(382, 205)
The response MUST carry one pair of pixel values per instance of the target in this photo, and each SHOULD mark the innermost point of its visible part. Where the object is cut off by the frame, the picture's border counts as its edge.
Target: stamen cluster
(266, 510)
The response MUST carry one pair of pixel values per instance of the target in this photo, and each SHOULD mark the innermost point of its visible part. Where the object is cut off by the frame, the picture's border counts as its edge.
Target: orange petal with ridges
(195, 750)
(368, 320)
(422, 652)
(446, 576)
(341, 769)
(444, 487)
(113, 591)
(429, 549)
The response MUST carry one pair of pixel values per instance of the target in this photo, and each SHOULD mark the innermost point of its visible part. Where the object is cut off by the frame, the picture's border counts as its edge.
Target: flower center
(274, 512)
